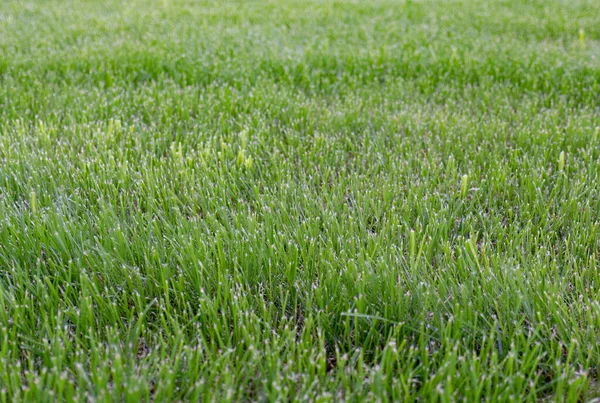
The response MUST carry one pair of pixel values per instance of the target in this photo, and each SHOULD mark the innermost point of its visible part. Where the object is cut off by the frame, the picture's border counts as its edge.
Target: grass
(299, 200)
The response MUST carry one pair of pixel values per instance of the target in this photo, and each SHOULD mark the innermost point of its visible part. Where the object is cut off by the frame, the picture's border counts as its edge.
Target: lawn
(299, 200)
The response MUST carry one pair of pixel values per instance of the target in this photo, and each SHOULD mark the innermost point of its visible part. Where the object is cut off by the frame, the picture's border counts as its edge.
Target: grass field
(299, 200)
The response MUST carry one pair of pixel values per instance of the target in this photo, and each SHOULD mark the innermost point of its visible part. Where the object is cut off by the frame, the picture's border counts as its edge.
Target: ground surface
(299, 199)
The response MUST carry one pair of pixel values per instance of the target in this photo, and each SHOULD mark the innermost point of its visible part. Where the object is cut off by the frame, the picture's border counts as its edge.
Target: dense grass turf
(288, 199)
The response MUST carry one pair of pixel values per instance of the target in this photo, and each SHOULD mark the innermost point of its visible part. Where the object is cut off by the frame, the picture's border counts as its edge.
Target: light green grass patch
(299, 200)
